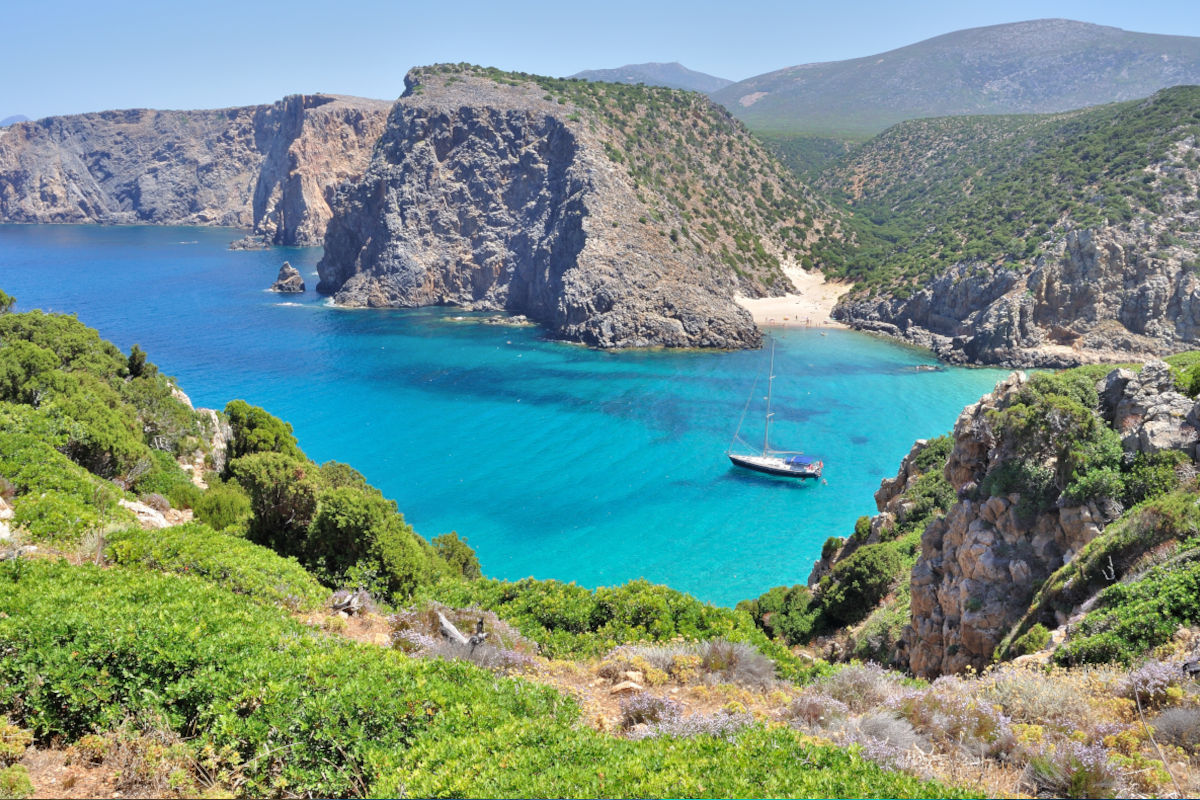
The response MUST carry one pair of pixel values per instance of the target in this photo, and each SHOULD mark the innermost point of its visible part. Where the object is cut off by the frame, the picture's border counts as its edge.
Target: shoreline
(810, 306)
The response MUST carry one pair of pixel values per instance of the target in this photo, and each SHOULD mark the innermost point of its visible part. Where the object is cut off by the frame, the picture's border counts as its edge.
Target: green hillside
(929, 193)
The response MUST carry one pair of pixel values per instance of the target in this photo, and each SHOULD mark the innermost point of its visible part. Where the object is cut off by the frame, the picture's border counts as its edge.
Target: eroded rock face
(289, 280)
(980, 564)
(1149, 412)
(1112, 293)
(486, 196)
(268, 168)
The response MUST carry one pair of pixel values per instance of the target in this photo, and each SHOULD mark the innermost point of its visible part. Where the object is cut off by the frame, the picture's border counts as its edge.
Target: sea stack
(289, 280)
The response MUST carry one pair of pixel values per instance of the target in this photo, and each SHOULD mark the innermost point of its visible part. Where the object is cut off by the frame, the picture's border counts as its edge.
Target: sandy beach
(809, 307)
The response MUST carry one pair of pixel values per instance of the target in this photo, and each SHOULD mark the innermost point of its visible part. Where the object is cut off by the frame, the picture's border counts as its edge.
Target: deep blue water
(552, 460)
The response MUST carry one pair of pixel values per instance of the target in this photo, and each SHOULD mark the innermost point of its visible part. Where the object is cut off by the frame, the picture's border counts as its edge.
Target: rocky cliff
(267, 168)
(982, 563)
(1089, 291)
(616, 216)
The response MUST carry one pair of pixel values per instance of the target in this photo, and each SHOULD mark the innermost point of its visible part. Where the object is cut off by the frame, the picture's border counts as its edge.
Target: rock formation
(494, 194)
(1111, 293)
(289, 280)
(268, 168)
(981, 563)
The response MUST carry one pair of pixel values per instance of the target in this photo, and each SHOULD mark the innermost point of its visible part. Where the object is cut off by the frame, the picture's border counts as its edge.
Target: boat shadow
(747, 477)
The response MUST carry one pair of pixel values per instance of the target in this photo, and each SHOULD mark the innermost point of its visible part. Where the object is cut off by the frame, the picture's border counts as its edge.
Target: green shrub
(1031, 641)
(283, 497)
(1130, 619)
(256, 431)
(570, 621)
(15, 783)
(858, 583)
(165, 477)
(458, 555)
(295, 711)
(785, 612)
(224, 507)
(229, 561)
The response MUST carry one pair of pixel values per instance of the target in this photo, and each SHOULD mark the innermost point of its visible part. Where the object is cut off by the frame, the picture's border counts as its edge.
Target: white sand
(809, 307)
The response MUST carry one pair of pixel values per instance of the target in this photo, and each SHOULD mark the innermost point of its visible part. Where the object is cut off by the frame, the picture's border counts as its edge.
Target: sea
(552, 460)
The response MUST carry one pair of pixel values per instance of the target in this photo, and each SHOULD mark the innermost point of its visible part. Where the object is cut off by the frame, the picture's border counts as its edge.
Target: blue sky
(67, 56)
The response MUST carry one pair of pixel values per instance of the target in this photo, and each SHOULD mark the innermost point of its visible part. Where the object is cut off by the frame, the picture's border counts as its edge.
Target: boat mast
(770, 380)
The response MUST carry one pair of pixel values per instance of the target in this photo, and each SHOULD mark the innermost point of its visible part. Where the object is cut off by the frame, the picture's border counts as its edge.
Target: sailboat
(785, 463)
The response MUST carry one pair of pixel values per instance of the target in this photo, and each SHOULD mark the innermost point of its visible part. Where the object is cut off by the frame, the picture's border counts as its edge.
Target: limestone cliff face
(1105, 294)
(268, 168)
(490, 194)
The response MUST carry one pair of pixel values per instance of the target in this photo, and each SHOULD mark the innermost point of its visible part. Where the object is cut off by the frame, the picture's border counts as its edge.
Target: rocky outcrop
(289, 280)
(268, 168)
(1112, 293)
(487, 194)
(981, 563)
(1149, 412)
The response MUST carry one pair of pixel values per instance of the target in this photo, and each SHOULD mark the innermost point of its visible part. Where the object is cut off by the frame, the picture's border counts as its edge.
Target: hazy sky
(67, 56)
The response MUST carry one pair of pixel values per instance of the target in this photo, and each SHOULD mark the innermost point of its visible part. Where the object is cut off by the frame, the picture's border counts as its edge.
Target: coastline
(810, 306)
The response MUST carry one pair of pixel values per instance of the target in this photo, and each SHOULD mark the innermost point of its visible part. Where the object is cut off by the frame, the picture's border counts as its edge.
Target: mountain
(1030, 240)
(673, 76)
(267, 168)
(1025, 67)
(615, 215)
(13, 120)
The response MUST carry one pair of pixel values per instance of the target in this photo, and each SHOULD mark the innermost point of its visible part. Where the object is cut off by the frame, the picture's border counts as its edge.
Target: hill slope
(260, 167)
(1026, 67)
(615, 215)
(1053, 239)
(673, 76)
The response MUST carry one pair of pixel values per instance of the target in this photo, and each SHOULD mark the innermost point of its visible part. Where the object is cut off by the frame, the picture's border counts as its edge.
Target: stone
(149, 518)
(626, 687)
(289, 280)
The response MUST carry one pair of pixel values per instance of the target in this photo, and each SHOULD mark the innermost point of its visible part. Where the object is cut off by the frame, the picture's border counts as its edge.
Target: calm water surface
(552, 460)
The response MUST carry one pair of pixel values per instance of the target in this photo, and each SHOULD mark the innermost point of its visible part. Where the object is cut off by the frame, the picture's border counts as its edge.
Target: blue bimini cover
(800, 461)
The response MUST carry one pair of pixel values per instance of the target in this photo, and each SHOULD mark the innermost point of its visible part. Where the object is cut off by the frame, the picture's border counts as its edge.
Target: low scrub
(570, 621)
(276, 709)
(229, 561)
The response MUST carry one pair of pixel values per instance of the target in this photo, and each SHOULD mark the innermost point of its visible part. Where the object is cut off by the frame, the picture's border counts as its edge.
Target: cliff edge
(590, 208)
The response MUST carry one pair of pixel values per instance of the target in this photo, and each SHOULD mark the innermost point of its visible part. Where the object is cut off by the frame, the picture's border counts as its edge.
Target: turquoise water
(552, 460)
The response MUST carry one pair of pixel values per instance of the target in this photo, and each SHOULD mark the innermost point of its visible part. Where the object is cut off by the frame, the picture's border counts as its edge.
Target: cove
(552, 460)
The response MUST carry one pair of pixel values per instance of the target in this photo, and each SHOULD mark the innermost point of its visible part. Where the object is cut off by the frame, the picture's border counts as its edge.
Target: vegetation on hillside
(927, 194)
(181, 654)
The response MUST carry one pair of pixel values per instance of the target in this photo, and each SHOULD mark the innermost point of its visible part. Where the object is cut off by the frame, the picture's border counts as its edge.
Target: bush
(225, 507)
(858, 583)
(1033, 640)
(458, 555)
(292, 710)
(1131, 619)
(570, 621)
(15, 783)
(785, 612)
(229, 561)
(283, 497)
(256, 431)
(1179, 727)
(165, 477)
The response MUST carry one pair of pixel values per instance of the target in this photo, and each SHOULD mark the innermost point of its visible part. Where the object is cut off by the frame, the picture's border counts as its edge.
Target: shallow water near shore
(551, 459)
